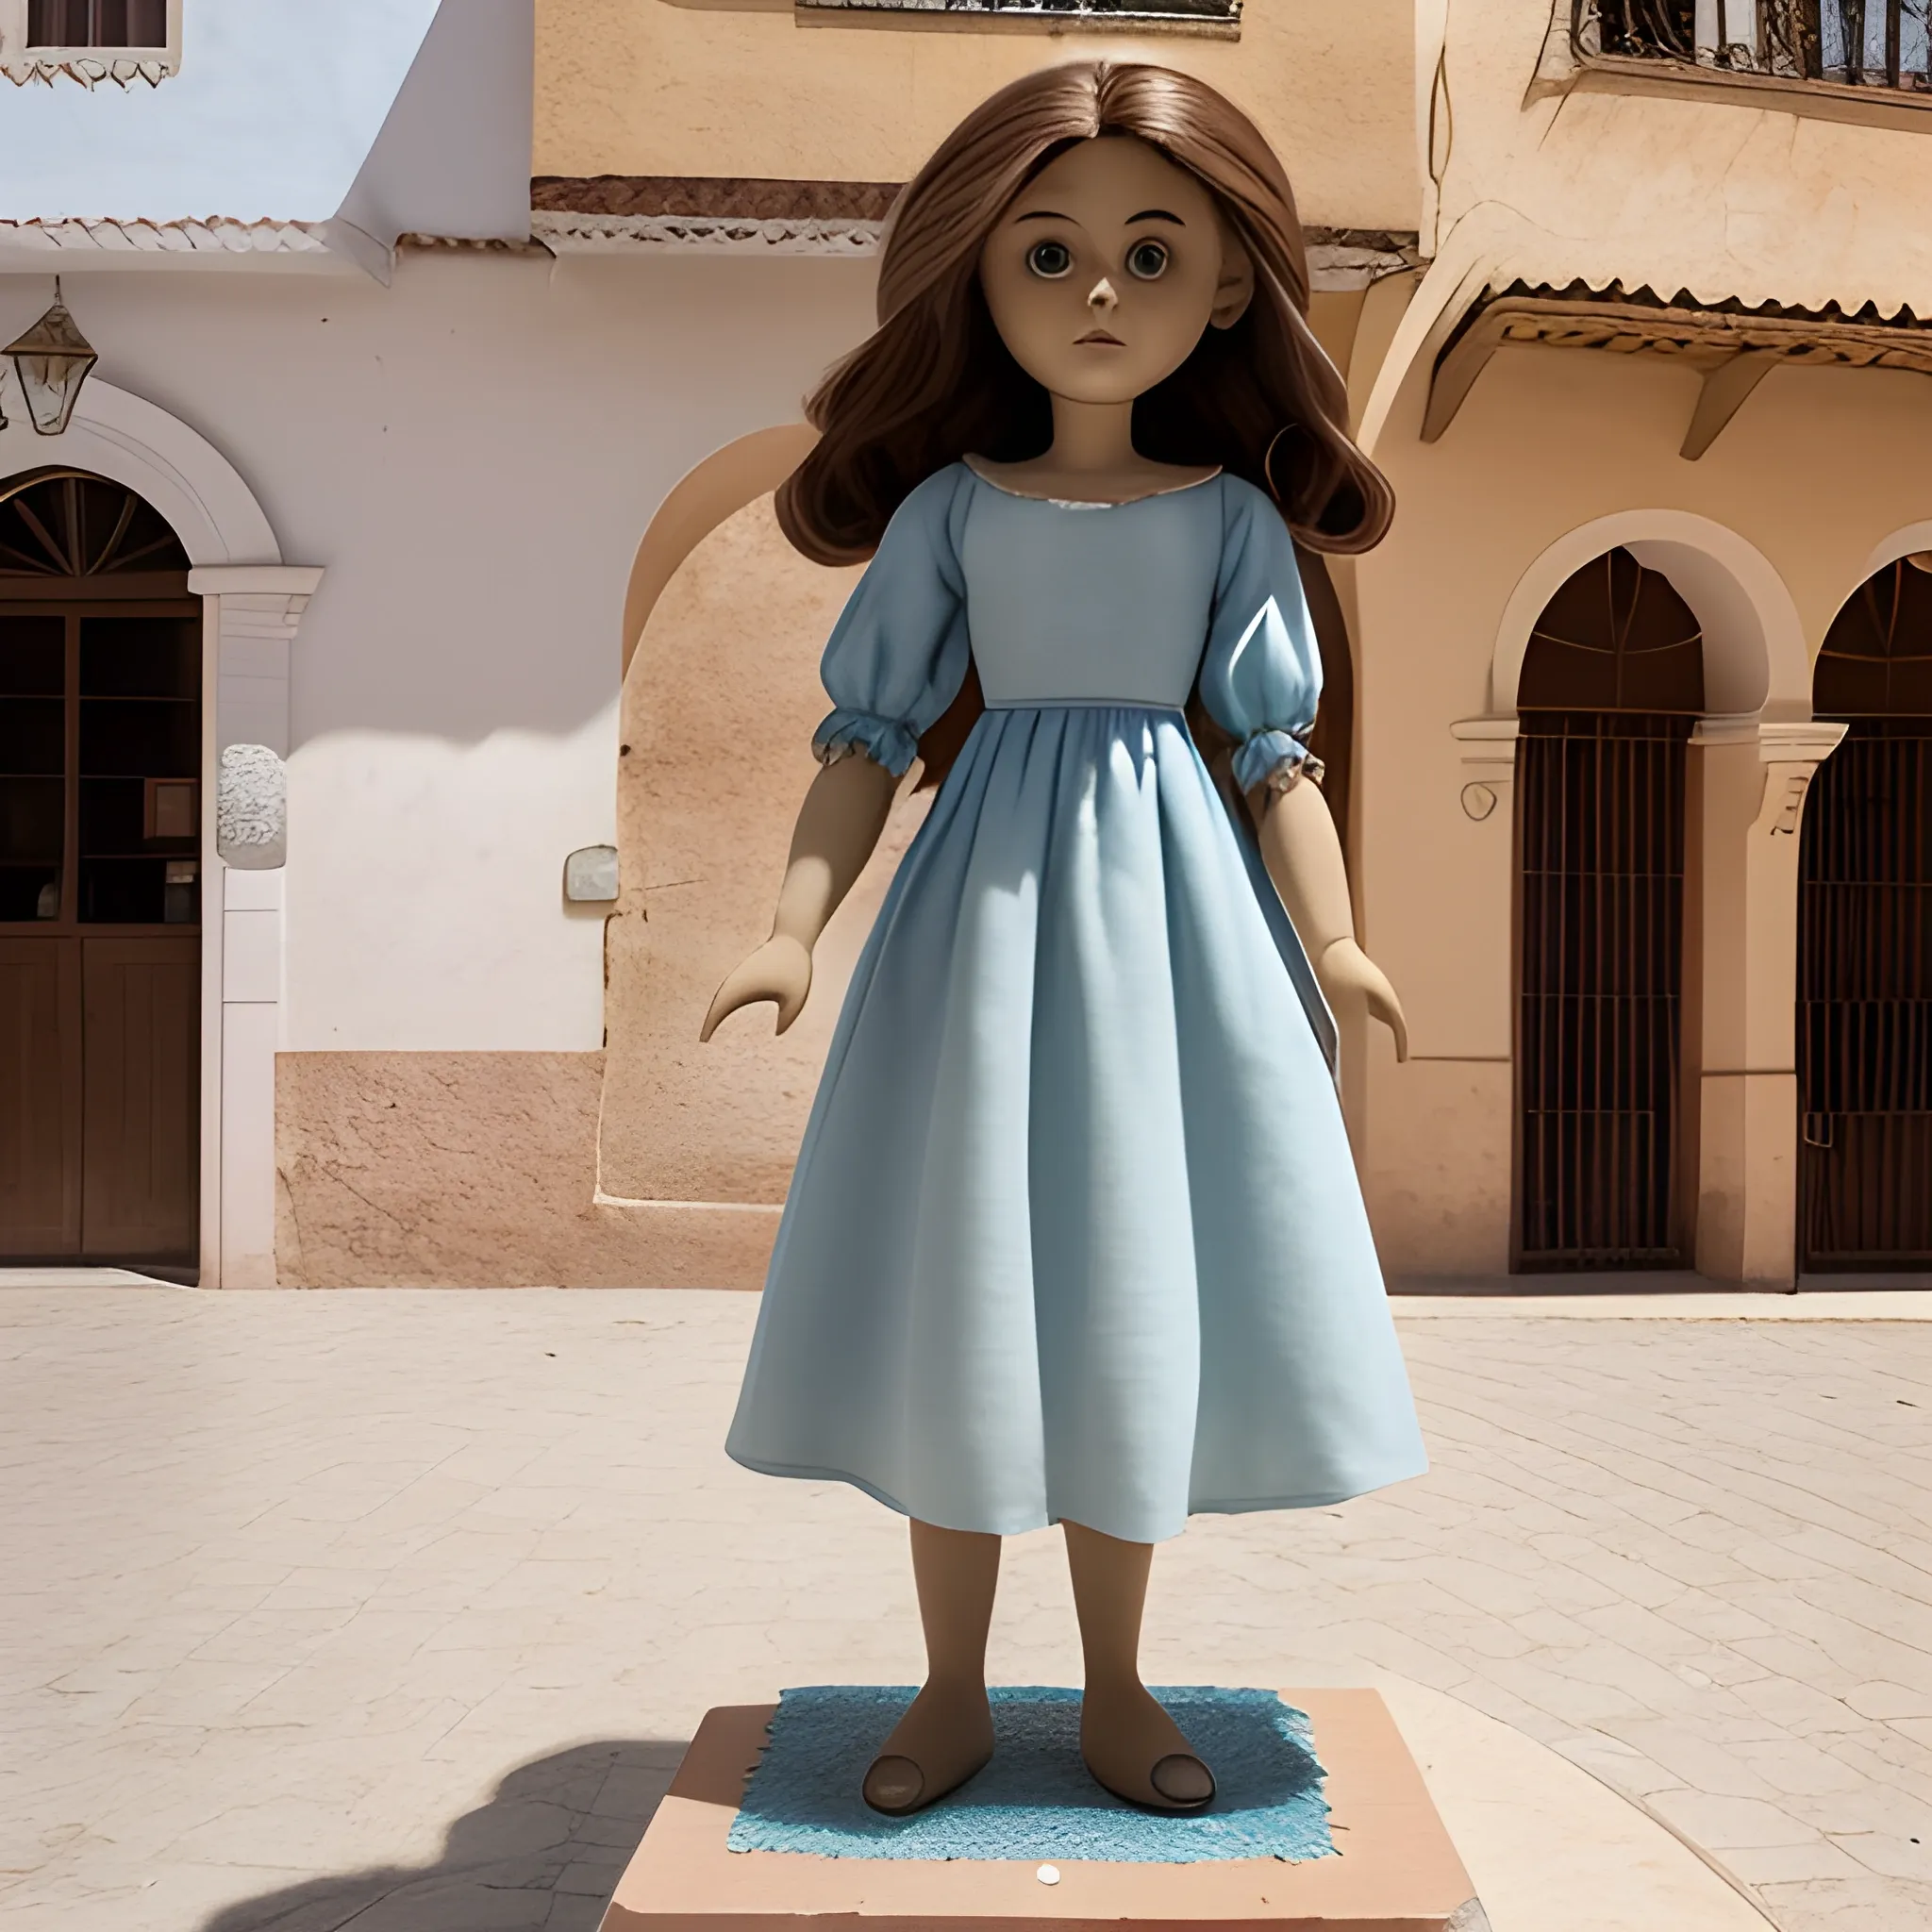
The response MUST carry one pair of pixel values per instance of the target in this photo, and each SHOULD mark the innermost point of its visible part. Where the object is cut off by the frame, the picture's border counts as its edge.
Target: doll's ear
(1236, 288)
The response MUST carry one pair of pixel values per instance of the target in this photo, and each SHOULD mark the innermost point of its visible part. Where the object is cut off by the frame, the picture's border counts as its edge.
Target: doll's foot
(1137, 1752)
(943, 1739)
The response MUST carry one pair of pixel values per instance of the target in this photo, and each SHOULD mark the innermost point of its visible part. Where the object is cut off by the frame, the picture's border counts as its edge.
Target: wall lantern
(51, 361)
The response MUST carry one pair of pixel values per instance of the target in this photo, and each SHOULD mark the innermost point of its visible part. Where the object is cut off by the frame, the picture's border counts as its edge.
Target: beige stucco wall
(446, 1169)
(720, 706)
(1725, 193)
(680, 87)
(1816, 471)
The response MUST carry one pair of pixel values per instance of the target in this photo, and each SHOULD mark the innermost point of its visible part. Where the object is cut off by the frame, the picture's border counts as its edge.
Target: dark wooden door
(140, 1085)
(40, 1097)
(1865, 941)
(100, 948)
(1610, 688)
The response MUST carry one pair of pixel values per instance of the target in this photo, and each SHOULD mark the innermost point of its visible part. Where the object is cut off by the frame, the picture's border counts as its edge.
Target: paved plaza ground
(392, 1610)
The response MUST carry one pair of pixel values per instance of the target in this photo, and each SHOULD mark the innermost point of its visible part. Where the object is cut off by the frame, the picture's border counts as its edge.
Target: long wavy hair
(935, 382)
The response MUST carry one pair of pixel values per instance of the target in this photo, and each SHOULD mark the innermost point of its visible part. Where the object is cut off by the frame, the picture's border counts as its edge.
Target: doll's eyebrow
(1042, 214)
(1156, 214)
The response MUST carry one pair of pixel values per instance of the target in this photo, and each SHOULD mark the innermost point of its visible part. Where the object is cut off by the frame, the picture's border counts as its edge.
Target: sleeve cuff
(1275, 760)
(884, 740)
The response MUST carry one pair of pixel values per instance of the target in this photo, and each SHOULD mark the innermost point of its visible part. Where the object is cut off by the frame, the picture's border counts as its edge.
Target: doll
(1075, 1235)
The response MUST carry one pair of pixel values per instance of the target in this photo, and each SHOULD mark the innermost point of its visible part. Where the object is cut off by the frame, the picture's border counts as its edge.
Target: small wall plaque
(589, 875)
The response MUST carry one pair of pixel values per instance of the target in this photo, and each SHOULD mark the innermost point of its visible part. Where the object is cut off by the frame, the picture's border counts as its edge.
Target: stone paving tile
(394, 1610)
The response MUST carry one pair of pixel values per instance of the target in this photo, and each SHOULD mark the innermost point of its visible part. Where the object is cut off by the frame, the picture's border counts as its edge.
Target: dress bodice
(1075, 603)
(1134, 604)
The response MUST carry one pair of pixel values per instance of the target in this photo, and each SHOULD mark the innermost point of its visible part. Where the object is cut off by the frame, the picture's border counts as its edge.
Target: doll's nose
(1100, 297)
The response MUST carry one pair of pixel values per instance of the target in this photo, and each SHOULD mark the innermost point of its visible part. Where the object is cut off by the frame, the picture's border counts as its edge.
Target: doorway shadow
(543, 1854)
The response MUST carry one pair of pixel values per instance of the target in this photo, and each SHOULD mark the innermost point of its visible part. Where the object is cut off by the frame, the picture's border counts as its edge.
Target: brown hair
(935, 382)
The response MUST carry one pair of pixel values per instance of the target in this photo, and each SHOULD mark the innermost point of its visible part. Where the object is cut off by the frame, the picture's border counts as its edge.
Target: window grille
(125, 41)
(1877, 43)
(116, 23)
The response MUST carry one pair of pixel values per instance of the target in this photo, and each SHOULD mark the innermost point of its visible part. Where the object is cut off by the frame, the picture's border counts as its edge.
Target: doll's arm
(1303, 859)
(839, 824)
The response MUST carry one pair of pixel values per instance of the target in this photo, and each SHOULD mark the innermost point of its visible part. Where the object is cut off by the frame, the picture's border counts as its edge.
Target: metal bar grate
(1103, 11)
(1865, 1001)
(1875, 44)
(1601, 840)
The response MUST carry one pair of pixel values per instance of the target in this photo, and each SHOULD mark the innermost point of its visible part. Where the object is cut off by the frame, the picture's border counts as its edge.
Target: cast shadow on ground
(543, 1854)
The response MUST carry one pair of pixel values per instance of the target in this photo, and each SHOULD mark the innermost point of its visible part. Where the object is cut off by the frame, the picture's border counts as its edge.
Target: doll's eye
(1050, 259)
(1147, 260)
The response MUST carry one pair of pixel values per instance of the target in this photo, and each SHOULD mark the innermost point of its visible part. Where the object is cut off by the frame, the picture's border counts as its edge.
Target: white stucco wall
(471, 456)
(270, 116)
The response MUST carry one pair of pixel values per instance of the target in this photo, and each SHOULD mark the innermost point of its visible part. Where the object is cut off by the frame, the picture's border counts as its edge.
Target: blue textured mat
(1035, 1799)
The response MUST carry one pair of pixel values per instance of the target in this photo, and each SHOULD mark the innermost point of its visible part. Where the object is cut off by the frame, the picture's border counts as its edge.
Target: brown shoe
(1176, 1781)
(895, 1787)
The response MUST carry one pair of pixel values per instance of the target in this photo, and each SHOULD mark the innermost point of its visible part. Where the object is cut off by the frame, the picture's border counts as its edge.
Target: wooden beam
(1455, 374)
(1723, 394)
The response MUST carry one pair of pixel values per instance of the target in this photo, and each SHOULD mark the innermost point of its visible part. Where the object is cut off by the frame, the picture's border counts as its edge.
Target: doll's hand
(1348, 974)
(779, 969)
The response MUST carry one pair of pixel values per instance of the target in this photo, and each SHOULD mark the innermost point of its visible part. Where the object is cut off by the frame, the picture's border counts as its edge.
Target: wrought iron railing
(1228, 12)
(1876, 44)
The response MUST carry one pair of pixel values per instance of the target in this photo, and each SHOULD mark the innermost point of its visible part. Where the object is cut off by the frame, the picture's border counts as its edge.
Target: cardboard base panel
(1397, 1871)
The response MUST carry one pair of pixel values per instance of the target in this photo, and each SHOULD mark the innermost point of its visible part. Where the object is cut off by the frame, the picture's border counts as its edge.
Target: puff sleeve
(898, 655)
(1261, 674)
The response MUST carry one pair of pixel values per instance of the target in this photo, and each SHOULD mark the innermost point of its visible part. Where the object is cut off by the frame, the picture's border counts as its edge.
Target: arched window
(1876, 662)
(56, 523)
(1610, 686)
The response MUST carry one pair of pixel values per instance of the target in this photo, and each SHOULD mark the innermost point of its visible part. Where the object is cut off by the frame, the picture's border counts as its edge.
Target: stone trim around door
(252, 613)
(232, 547)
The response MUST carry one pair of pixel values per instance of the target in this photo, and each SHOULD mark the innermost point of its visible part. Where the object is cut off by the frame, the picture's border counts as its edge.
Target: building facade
(412, 533)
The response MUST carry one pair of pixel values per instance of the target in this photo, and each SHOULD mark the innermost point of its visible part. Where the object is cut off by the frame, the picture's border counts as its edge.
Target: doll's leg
(1130, 1743)
(946, 1734)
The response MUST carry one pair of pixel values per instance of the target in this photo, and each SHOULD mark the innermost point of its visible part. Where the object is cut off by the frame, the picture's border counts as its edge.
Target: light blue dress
(1075, 1231)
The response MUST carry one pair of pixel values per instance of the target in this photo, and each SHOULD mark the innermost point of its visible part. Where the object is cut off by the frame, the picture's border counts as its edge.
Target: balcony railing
(1875, 44)
(1099, 12)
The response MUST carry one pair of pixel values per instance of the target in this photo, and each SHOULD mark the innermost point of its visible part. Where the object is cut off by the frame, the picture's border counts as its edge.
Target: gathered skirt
(1075, 1232)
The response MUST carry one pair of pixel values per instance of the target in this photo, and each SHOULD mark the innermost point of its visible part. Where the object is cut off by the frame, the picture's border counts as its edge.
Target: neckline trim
(1091, 502)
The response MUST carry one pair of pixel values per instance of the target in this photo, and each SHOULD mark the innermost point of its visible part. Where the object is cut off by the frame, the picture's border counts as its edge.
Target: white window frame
(21, 61)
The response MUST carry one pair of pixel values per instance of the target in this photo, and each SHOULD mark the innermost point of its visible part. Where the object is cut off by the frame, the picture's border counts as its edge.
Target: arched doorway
(1864, 1043)
(100, 863)
(1611, 687)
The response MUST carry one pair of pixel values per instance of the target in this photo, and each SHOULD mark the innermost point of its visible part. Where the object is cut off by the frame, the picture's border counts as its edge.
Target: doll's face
(1106, 269)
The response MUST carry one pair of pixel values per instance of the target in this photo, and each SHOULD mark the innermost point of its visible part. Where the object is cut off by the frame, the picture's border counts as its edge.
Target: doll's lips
(1100, 337)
